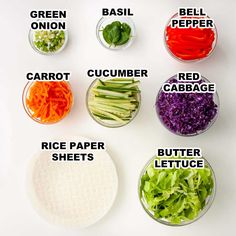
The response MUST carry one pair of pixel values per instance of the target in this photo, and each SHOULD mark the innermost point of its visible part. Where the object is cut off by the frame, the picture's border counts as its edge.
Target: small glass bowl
(194, 60)
(215, 99)
(207, 206)
(32, 38)
(25, 95)
(109, 123)
(104, 21)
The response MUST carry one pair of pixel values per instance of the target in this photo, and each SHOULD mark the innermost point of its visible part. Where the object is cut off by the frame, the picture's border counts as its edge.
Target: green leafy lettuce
(176, 195)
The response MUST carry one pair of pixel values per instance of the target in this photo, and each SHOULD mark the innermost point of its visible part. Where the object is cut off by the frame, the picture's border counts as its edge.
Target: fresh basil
(117, 33)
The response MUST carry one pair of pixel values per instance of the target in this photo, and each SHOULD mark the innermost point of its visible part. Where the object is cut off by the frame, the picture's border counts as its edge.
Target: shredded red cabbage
(186, 113)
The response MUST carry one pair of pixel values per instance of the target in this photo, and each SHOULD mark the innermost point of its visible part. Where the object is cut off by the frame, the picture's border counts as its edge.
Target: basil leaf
(117, 33)
(126, 28)
(123, 39)
(116, 23)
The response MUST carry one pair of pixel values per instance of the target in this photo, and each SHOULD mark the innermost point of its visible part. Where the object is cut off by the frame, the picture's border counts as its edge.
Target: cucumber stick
(114, 100)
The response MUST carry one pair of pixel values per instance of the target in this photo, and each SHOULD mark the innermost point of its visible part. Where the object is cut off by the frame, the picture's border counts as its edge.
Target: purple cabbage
(186, 113)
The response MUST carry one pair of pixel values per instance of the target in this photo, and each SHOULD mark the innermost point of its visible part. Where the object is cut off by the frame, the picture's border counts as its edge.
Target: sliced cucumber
(114, 100)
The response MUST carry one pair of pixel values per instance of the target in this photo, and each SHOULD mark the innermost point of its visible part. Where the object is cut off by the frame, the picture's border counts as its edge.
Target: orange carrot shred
(49, 102)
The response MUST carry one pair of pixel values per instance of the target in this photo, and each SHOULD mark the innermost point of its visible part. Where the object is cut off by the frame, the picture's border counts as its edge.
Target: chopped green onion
(49, 40)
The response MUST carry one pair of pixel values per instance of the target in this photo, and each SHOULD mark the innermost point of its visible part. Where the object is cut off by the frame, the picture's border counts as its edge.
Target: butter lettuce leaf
(176, 195)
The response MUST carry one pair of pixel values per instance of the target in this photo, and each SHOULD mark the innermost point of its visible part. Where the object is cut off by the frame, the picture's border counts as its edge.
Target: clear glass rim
(24, 96)
(135, 113)
(120, 18)
(201, 213)
(194, 60)
(215, 98)
(31, 41)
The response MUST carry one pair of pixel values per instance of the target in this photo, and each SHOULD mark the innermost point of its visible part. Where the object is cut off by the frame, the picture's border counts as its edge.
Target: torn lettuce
(176, 195)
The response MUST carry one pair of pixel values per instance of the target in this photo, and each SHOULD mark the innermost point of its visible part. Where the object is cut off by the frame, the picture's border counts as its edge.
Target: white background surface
(131, 146)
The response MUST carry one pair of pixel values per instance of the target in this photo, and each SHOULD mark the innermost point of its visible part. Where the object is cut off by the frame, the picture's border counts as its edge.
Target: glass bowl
(208, 202)
(193, 60)
(104, 21)
(31, 37)
(109, 123)
(215, 100)
(25, 95)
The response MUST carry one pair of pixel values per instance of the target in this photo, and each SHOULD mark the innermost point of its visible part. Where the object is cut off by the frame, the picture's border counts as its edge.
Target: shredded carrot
(49, 102)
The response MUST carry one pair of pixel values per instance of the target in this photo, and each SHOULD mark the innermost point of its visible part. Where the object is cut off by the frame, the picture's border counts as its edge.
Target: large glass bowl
(215, 99)
(209, 199)
(194, 60)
